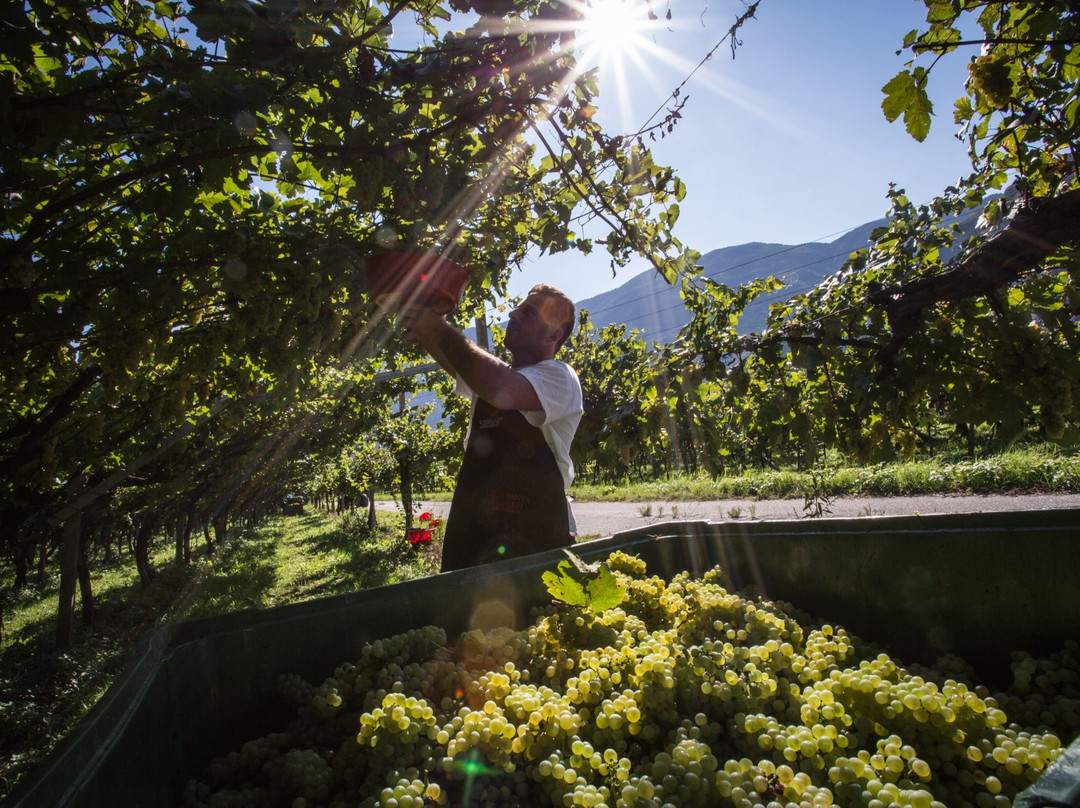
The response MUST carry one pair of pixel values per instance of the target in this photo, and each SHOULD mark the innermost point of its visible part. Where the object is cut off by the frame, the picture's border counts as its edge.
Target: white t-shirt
(559, 390)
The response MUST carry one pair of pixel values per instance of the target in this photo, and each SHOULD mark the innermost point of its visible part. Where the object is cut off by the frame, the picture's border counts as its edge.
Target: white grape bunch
(687, 694)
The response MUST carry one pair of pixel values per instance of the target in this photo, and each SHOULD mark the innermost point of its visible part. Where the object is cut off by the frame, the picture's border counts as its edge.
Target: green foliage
(591, 586)
(190, 193)
(614, 366)
(186, 326)
(816, 501)
(951, 316)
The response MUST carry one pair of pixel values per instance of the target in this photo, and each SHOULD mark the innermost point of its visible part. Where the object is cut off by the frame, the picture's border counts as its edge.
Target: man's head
(562, 307)
(540, 324)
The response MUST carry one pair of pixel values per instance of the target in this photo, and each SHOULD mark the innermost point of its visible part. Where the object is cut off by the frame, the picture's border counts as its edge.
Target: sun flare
(613, 30)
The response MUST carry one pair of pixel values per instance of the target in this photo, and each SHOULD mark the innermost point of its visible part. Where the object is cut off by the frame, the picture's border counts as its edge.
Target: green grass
(1039, 469)
(298, 558)
(45, 692)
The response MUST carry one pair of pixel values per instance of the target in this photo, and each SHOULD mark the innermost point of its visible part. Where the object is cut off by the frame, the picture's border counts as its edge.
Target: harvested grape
(687, 694)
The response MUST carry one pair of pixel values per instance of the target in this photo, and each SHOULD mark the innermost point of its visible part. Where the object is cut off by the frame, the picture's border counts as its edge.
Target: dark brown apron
(509, 499)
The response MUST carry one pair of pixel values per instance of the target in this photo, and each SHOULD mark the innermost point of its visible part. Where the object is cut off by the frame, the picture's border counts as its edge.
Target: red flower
(425, 517)
(419, 535)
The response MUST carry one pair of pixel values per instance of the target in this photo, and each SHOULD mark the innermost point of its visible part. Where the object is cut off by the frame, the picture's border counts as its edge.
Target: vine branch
(1038, 229)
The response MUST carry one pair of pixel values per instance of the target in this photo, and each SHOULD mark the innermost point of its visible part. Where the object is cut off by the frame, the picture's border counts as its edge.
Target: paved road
(606, 518)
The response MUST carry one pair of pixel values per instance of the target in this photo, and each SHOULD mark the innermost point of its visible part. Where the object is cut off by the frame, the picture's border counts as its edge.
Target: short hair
(569, 309)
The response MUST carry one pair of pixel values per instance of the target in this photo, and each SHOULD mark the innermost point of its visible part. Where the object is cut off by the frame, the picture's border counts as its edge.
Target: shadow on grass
(43, 691)
(240, 578)
(119, 608)
(377, 557)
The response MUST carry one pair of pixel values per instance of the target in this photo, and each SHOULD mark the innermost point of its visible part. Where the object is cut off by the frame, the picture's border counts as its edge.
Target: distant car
(293, 504)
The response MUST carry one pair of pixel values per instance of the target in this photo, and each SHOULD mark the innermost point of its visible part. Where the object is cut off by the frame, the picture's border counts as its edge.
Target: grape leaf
(605, 591)
(898, 95)
(905, 94)
(565, 588)
(591, 586)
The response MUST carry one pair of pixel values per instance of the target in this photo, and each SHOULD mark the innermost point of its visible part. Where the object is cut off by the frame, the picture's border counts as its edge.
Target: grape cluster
(1054, 395)
(687, 694)
(990, 76)
(368, 183)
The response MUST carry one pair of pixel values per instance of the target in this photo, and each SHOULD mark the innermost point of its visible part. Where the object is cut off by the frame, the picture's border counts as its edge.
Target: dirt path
(606, 518)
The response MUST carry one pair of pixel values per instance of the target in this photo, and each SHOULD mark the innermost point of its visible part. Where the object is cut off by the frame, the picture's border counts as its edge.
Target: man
(510, 498)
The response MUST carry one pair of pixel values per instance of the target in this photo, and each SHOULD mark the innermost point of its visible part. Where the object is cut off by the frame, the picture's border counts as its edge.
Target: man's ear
(553, 334)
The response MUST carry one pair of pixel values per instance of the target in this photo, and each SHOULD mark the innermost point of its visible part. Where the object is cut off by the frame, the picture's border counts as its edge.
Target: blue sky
(786, 142)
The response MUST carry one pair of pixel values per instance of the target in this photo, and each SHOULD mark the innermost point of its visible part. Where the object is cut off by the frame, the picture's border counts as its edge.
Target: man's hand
(420, 324)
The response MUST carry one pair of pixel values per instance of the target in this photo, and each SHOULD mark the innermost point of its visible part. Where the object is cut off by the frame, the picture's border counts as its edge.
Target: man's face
(535, 325)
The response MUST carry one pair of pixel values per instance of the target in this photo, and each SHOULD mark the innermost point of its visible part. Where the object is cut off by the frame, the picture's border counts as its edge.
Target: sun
(613, 30)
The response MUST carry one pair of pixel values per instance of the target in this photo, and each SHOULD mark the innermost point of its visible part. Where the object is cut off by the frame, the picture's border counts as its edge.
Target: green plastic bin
(979, 585)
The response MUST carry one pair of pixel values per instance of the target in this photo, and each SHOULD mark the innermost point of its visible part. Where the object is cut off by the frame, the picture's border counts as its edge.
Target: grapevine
(687, 694)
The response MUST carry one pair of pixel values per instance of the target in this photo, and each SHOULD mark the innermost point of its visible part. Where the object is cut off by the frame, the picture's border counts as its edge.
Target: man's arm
(486, 375)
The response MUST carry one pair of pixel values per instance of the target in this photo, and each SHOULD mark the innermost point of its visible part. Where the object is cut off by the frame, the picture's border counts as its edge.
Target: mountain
(649, 304)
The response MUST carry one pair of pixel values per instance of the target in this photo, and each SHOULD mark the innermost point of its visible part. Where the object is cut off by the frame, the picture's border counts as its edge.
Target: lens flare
(611, 30)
